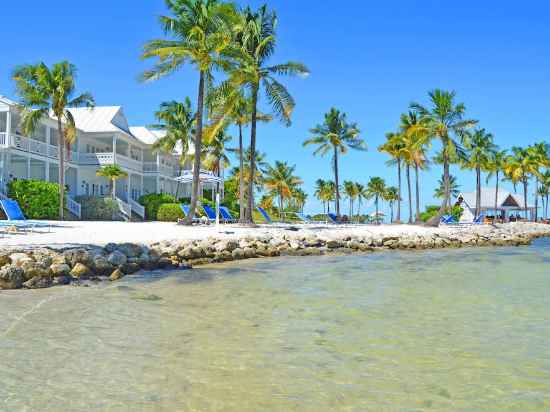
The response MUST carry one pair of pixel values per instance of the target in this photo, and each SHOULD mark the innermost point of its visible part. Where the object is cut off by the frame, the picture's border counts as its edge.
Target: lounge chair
(448, 220)
(185, 209)
(226, 215)
(303, 218)
(210, 213)
(333, 218)
(16, 217)
(264, 214)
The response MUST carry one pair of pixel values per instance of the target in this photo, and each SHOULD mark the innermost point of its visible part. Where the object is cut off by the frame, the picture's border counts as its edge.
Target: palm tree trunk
(198, 149)
(399, 190)
(391, 212)
(417, 193)
(446, 184)
(496, 194)
(241, 176)
(376, 215)
(536, 198)
(525, 196)
(336, 182)
(281, 215)
(61, 155)
(478, 190)
(408, 168)
(254, 119)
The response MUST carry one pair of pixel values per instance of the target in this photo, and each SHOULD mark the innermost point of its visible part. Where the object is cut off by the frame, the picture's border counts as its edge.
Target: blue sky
(369, 59)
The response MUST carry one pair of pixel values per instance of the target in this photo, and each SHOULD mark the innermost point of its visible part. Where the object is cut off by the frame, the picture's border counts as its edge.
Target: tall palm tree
(259, 171)
(540, 154)
(43, 90)
(361, 196)
(113, 173)
(394, 146)
(352, 192)
(335, 136)
(453, 187)
(324, 191)
(177, 121)
(215, 152)
(280, 181)
(520, 165)
(416, 136)
(391, 196)
(480, 147)
(299, 198)
(201, 33)
(376, 189)
(545, 186)
(256, 40)
(494, 166)
(447, 123)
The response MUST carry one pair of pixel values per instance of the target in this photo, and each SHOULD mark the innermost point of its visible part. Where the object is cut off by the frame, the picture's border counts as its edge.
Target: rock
(60, 269)
(116, 275)
(38, 282)
(117, 258)
(110, 247)
(130, 249)
(59, 260)
(75, 256)
(61, 280)
(81, 271)
(249, 253)
(11, 277)
(102, 266)
(32, 269)
(333, 244)
(238, 254)
(4, 259)
(18, 259)
(130, 267)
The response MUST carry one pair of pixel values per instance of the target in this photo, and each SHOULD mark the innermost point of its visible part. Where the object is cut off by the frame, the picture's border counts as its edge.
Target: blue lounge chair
(479, 220)
(264, 214)
(210, 213)
(333, 218)
(226, 215)
(303, 218)
(16, 217)
(185, 210)
(448, 220)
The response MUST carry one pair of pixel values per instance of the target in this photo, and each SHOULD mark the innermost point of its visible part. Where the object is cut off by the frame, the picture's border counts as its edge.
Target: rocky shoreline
(34, 268)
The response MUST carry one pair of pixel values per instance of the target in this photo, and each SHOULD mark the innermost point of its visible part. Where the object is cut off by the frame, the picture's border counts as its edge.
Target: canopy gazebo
(208, 179)
(507, 204)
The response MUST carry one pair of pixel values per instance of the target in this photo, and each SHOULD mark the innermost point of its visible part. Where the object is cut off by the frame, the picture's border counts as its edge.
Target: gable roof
(504, 199)
(145, 135)
(100, 119)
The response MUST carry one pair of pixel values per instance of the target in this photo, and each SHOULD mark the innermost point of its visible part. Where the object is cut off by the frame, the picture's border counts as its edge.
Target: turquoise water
(445, 330)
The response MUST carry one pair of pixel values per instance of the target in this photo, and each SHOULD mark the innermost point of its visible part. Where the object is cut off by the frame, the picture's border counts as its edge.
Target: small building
(507, 204)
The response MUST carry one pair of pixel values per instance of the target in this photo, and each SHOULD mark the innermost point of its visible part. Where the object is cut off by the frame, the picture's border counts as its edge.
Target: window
(15, 124)
(3, 122)
(40, 133)
(54, 137)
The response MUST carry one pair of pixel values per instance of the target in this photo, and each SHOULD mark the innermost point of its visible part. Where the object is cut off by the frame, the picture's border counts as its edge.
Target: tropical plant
(494, 166)
(545, 182)
(112, 173)
(201, 35)
(394, 147)
(361, 196)
(299, 198)
(261, 166)
(376, 189)
(280, 181)
(43, 90)
(324, 191)
(215, 156)
(170, 212)
(520, 165)
(479, 150)
(352, 192)
(152, 202)
(540, 154)
(446, 122)
(256, 40)
(335, 136)
(391, 196)
(38, 199)
(453, 187)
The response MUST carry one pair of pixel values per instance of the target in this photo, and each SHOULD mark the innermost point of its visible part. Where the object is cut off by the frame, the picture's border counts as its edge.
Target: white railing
(3, 139)
(3, 190)
(124, 208)
(35, 146)
(137, 208)
(74, 207)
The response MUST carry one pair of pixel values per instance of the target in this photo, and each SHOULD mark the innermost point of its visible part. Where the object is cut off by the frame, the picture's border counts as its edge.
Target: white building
(507, 204)
(103, 137)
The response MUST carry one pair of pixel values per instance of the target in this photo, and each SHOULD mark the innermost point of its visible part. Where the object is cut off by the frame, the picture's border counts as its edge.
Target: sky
(368, 59)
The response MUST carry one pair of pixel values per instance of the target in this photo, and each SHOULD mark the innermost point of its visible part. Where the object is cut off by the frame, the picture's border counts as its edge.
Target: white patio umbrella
(208, 177)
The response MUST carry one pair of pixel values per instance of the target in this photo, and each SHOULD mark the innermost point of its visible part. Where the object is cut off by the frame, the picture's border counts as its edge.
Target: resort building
(508, 205)
(103, 138)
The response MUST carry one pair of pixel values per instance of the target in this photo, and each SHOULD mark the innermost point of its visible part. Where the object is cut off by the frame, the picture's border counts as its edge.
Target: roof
(100, 119)
(504, 199)
(145, 135)
(5, 100)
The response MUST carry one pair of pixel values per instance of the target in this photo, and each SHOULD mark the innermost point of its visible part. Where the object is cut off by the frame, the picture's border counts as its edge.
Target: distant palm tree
(479, 149)
(335, 136)
(280, 181)
(256, 39)
(352, 192)
(545, 186)
(215, 152)
(391, 196)
(259, 171)
(324, 191)
(447, 123)
(299, 198)
(376, 189)
(453, 187)
(540, 153)
(361, 196)
(394, 147)
(201, 31)
(177, 121)
(112, 173)
(494, 166)
(520, 165)
(43, 90)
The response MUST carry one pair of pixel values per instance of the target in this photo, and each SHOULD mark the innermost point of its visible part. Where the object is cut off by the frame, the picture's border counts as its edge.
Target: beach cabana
(508, 204)
(206, 179)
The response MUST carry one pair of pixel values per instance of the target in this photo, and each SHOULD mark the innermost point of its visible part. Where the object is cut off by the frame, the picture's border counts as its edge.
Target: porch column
(47, 174)
(129, 188)
(114, 148)
(28, 167)
(8, 128)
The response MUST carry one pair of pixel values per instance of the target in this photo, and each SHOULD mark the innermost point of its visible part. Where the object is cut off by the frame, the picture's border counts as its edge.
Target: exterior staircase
(128, 209)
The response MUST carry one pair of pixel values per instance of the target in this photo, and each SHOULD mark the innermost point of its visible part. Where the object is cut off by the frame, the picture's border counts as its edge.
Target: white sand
(65, 234)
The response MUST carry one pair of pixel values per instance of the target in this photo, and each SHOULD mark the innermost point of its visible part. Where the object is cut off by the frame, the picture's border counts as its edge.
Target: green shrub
(169, 212)
(152, 202)
(433, 210)
(98, 208)
(38, 199)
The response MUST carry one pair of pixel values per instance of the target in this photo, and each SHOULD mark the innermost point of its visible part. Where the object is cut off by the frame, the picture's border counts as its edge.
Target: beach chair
(303, 218)
(479, 220)
(264, 214)
(333, 218)
(226, 215)
(210, 213)
(448, 220)
(16, 217)
(185, 210)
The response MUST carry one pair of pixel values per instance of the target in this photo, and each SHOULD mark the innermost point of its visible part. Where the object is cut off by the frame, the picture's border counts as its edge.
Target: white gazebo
(206, 178)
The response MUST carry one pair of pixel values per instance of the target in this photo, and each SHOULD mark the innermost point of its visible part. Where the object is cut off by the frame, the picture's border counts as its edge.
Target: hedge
(98, 208)
(170, 212)
(153, 201)
(38, 199)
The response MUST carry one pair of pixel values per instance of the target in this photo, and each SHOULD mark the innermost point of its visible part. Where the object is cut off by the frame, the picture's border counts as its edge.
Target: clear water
(446, 330)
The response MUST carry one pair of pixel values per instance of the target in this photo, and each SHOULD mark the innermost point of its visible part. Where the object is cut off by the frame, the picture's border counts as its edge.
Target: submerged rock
(11, 277)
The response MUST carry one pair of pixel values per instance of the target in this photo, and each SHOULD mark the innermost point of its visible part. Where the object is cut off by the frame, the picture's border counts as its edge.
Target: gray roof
(504, 199)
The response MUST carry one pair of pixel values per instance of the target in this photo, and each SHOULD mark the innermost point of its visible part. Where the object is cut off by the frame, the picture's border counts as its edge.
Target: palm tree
(494, 165)
(113, 173)
(324, 191)
(545, 185)
(540, 154)
(376, 189)
(446, 122)
(351, 191)
(361, 195)
(256, 39)
(480, 148)
(394, 147)
(299, 198)
(215, 152)
(201, 32)
(391, 196)
(280, 181)
(177, 121)
(259, 172)
(335, 136)
(520, 166)
(453, 187)
(43, 90)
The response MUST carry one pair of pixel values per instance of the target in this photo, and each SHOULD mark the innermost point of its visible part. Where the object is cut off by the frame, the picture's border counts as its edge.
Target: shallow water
(445, 330)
